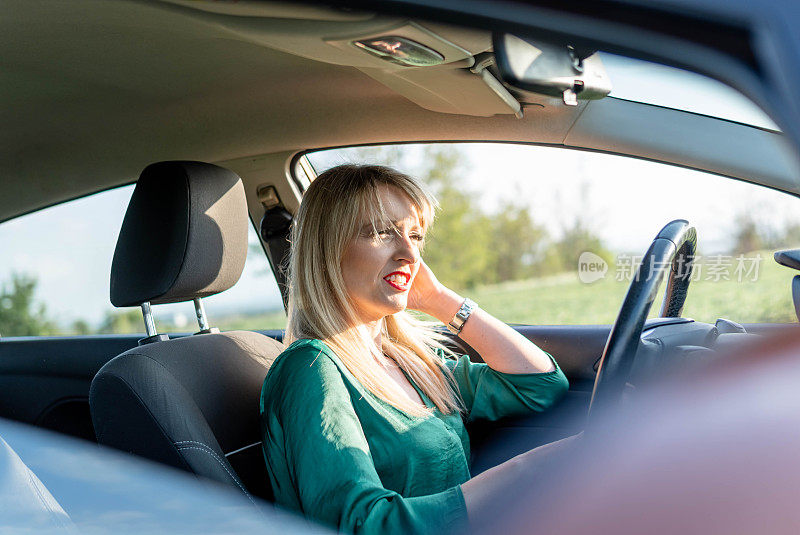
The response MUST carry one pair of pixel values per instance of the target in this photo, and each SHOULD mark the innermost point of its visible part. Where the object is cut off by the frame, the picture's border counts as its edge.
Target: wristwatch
(458, 321)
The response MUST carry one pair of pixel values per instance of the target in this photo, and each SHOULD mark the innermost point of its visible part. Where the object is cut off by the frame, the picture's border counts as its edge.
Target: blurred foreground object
(714, 452)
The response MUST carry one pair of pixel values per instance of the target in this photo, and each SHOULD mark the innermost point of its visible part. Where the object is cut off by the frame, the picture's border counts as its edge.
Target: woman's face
(378, 270)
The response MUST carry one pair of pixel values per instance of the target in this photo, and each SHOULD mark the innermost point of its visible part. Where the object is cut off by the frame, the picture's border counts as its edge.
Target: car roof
(95, 91)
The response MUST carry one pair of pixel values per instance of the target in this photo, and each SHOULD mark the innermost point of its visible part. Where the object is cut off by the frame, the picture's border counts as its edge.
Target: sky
(625, 200)
(73, 245)
(70, 247)
(652, 83)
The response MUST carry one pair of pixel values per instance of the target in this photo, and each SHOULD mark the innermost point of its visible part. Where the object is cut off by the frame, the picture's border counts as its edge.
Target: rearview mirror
(550, 69)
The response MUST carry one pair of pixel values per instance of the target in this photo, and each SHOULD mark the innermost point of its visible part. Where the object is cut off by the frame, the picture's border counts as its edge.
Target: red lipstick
(399, 280)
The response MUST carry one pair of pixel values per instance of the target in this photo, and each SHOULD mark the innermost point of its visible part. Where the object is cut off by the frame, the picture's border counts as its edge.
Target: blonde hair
(330, 215)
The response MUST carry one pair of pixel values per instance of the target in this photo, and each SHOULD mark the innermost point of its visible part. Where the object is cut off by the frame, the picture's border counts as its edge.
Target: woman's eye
(389, 233)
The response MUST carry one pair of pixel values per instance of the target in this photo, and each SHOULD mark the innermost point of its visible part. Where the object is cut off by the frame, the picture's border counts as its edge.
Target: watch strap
(461, 317)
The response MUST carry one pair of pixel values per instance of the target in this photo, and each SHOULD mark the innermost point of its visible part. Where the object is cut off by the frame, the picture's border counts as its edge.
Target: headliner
(97, 90)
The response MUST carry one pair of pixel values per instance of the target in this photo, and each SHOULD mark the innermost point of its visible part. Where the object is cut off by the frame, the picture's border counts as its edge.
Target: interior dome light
(400, 50)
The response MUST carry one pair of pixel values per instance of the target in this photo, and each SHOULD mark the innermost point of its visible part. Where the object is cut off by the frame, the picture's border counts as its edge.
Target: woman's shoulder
(304, 370)
(301, 351)
(304, 345)
(302, 360)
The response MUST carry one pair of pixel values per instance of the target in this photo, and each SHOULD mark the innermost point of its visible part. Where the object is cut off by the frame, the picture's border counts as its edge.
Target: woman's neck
(374, 329)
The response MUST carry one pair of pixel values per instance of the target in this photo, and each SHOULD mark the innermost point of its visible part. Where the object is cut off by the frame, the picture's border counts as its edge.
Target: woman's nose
(407, 250)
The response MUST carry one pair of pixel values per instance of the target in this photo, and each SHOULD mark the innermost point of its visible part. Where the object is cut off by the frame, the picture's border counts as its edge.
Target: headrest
(184, 235)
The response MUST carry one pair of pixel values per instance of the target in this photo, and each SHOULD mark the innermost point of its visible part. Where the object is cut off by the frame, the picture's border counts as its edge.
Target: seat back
(189, 402)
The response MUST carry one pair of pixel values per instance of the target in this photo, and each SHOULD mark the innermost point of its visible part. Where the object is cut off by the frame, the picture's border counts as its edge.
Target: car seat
(190, 402)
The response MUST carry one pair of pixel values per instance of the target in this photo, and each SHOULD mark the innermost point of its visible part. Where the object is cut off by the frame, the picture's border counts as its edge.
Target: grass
(275, 319)
(564, 299)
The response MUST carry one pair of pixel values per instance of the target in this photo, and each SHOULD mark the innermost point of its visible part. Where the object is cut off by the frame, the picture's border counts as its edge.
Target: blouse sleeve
(489, 394)
(319, 460)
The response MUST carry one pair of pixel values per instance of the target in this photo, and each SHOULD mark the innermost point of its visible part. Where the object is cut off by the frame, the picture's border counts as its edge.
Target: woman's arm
(500, 346)
(487, 492)
(505, 351)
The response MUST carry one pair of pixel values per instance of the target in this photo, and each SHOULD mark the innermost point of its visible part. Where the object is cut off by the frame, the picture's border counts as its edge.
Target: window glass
(515, 219)
(652, 83)
(55, 276)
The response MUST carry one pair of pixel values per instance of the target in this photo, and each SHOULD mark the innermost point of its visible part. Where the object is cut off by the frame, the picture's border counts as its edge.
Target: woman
(363, 414)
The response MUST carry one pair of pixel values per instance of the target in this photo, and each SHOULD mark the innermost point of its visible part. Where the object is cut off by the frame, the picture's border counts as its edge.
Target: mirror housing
(556, 70)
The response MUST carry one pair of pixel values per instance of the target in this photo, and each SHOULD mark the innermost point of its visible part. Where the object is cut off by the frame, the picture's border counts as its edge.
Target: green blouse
(341, 456)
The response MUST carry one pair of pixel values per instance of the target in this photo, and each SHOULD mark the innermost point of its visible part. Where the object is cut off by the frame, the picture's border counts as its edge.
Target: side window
(544, 235)
(55, 271)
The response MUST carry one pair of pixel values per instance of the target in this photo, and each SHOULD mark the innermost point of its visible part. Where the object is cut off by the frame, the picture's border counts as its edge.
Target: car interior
(210, 108)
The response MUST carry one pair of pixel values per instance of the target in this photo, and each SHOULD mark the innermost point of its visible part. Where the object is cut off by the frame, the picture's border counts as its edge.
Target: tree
(578, 238)
(20, 315)
(517, 243)
(457, 247)
(747, 235)
(790, 238)
(80, 327)
(124, 322)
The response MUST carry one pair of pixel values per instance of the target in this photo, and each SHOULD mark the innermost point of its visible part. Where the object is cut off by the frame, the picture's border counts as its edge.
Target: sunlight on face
(379, 269)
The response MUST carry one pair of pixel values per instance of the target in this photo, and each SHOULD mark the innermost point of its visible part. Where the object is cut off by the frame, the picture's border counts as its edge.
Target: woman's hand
(425, 290)
(501, 347)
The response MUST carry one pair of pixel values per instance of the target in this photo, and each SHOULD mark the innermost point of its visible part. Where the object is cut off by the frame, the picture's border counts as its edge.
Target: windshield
(651, 83)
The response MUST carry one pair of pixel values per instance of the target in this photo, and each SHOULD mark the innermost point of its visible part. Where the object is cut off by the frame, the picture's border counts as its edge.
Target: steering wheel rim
(673, 250)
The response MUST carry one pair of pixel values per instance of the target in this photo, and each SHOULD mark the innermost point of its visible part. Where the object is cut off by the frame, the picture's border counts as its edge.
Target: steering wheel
(673, 249)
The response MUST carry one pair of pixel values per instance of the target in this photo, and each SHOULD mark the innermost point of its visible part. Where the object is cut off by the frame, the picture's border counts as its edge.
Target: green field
(270, 320)
(564, 299)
